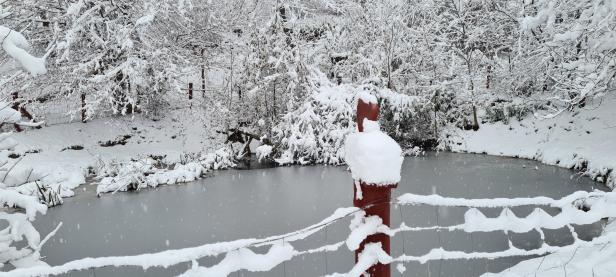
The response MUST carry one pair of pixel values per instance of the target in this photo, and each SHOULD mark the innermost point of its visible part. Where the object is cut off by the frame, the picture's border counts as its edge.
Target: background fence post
(83, 107)
(203, 72)
(15, 106)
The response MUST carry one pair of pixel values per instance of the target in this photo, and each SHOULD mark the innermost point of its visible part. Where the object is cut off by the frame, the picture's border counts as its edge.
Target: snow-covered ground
(66, 155)
(581, 140)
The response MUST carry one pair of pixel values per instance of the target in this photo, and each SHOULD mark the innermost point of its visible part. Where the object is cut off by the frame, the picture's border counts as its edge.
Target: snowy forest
(102, 97)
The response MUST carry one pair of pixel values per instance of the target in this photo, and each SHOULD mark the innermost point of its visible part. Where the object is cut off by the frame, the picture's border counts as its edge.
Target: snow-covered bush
(410, 122)
(222, 158)
(141, 174)
(110, 51)
(263, 152)
(150, 173)
(503, 111)
(315, 132)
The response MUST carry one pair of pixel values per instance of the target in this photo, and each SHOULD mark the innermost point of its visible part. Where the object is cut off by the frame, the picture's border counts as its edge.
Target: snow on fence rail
(577, 208)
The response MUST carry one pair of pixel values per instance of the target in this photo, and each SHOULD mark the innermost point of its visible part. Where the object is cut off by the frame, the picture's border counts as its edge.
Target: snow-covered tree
(122, 56)
(573, 44)
(315, 131)
(274, 77)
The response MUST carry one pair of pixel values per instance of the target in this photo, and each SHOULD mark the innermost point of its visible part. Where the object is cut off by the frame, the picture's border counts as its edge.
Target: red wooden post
(202, 72)
(375, 198)
(366, 110)
(15, 106)
(83, 107)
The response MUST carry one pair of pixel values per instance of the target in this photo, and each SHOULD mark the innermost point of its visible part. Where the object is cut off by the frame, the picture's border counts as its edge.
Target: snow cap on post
(373, 157)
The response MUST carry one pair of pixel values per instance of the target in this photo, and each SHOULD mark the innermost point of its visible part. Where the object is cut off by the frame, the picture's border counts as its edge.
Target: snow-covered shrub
(315, 132)
(409, 120)
(451, 110)
(415, 151)
(48, 184)
(503, 111)
(222, 158)
(112, 49)
(495, 112)
(263, 152)
(136, 175)
(150, 173)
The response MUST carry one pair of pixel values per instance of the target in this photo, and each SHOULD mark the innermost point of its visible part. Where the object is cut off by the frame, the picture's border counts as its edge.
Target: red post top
(366, 110)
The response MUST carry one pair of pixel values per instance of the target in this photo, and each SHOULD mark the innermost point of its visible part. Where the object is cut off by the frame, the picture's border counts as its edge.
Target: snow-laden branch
(15, 44)
(29, 203)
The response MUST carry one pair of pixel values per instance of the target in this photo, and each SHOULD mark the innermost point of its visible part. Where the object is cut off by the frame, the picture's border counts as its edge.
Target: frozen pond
(257, 203)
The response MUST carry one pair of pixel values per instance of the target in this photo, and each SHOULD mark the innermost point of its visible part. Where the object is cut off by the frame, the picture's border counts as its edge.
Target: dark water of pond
(258, 203)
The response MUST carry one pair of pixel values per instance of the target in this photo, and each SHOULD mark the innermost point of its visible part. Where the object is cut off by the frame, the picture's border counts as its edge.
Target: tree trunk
(475, 122)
